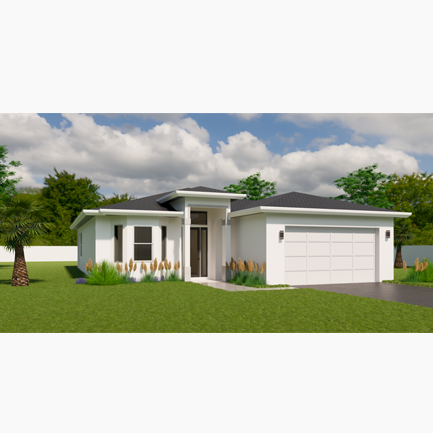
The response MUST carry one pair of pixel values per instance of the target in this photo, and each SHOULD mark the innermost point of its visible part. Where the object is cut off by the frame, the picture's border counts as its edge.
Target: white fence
(411, 252)
(42, 254)
(69, 254)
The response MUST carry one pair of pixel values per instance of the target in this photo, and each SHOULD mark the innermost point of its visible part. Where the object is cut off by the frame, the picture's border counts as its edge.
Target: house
(302, 238)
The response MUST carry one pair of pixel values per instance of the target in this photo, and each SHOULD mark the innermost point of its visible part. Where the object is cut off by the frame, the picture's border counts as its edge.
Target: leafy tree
(254, 187)
(413, 193)
(7, 186)
(115, 199)
(364, 186)
(21, 220)
(65, 197)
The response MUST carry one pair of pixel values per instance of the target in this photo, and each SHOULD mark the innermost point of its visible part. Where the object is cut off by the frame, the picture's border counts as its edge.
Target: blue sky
(267, 127)
(144, 154)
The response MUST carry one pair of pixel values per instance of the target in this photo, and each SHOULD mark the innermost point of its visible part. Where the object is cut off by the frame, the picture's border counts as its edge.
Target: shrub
(105, 274)
(246, 273)
(420, 273)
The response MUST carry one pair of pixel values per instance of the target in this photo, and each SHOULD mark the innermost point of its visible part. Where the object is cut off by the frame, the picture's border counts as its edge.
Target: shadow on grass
(74, 272)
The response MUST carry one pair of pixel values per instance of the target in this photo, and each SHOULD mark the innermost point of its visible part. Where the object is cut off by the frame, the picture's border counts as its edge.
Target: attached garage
(316, 255)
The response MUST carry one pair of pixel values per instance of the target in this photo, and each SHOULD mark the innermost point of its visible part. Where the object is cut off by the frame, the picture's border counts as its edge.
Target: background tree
(115, 199)
(65, 196)
(365, 186)
(413, 193)
(254, 187)
(403, 232)
(7, 185)
(21, 220)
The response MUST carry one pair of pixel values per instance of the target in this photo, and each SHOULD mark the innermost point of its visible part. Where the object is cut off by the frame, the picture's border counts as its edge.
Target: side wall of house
(275, 254)
(88, 239)
(248, 238)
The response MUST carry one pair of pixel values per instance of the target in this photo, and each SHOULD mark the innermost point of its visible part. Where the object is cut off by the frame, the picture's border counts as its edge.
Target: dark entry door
(198, 257)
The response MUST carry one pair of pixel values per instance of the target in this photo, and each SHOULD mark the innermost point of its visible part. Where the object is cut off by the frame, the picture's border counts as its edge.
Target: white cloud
(159, 117)
(171, 156)
(322, 142)
(409, 132)
(246, 116)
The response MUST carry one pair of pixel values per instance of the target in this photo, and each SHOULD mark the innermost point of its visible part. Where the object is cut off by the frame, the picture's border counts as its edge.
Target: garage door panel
(317, 255)
(342, 237)
(319, 277)
(363, 237)
(342, 249)
(295, 236)
(296, 249)
(318, 249)
(341, 276)
(363, 262)
(319, 263)
(293, 278)
(363, 249)
(363, 276)
(296, 264)
(342, 263)
(319, 237)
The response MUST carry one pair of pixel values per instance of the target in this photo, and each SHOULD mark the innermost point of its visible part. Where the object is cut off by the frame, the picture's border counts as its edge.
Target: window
(142, 243)
(80, 244)
(199, 218)
(118, 243)
(163, 243)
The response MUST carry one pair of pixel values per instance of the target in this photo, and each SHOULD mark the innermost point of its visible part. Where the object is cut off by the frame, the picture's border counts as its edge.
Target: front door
(198, 246)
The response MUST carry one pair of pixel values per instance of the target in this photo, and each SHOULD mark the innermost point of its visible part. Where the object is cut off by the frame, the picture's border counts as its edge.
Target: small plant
(106, 274)
(173, 276)
(420, 273)
(245, 273)
(81, 280)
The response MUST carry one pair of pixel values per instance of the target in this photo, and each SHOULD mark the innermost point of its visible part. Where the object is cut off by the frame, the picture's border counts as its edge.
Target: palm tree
(21, 220)
(403, 231)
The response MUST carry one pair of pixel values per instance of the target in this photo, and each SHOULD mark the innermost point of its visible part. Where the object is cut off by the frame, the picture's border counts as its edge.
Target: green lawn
(399, 275)
(53, 303)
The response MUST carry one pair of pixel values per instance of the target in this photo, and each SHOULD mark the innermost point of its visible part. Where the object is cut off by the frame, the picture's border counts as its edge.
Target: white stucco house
(302, 238)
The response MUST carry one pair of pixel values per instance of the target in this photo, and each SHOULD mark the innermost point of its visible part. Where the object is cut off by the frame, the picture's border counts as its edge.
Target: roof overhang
(120, 212)
(310, 211)
(196, 194)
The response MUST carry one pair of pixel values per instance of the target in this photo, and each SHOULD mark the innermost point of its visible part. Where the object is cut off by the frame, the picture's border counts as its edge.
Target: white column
(186, 244)
(226, 246)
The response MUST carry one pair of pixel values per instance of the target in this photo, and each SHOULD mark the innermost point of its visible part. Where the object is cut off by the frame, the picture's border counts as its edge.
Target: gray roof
(300, 200)
(290, 199)
(150, 203)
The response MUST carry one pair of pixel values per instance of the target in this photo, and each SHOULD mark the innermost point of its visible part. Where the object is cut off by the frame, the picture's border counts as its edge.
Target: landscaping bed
(409, 276)
(54, 303)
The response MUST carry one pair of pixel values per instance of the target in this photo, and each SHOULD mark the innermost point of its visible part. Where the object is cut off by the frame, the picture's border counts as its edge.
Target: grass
(54, 303)
(399, 276)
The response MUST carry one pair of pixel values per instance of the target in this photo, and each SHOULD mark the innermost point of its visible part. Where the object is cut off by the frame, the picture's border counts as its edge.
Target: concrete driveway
(415, 295)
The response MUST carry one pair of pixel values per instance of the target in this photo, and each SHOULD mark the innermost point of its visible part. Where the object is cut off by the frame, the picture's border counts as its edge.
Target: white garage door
(316, 255)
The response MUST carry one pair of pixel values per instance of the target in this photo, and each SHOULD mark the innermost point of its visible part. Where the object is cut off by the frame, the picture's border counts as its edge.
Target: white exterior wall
(128, 237)
(248, 239)
(173, 252)
(275, 247)
(88, 236)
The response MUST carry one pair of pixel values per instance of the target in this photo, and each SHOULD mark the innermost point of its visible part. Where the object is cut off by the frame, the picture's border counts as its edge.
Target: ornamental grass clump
(420, 273)
(172, 275)
(246, 273)
(105, 274)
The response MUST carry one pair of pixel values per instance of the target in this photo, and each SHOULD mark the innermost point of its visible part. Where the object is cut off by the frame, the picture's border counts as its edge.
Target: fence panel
(411, 252)
(42, 254)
